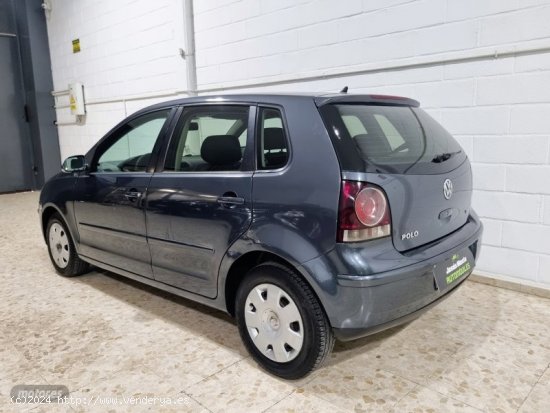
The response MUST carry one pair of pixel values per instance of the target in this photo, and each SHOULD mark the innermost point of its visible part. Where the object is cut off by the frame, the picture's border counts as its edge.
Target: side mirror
(74, 164)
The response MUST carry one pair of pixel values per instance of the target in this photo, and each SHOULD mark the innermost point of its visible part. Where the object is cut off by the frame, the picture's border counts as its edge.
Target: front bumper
(363, 304)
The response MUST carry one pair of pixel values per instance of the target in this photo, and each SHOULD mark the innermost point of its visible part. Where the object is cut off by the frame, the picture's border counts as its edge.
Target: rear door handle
(230, 200)
(132, 195)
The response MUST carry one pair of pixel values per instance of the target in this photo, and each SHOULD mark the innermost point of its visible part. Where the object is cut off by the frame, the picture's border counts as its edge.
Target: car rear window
(390, 139)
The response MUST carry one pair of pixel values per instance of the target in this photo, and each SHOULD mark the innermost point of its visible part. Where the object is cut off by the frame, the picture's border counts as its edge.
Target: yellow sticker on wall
(72, 103)
(76, 45)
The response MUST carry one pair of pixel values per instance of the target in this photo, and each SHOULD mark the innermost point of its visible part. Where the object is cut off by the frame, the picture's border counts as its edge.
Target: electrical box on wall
(76, 99)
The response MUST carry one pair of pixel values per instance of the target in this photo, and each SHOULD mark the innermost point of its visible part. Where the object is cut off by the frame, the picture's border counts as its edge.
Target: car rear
(407, 234)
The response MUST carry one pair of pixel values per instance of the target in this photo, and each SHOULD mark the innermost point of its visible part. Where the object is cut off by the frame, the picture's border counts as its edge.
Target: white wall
(129, 49)
(481, 67)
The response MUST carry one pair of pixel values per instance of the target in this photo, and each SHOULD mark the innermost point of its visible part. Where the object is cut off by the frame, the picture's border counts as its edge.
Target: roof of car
(282, 98)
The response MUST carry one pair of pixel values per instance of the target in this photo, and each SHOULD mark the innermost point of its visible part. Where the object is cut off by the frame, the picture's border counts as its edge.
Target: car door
(109, 201)
(199, 199)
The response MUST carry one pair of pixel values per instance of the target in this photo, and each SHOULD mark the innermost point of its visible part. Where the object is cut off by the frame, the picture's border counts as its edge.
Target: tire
(62, 250)
(281, 322)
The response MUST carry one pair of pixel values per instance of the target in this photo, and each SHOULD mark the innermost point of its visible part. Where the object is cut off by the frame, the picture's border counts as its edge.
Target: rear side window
(209, 139)
(272, 147)
(391, 139)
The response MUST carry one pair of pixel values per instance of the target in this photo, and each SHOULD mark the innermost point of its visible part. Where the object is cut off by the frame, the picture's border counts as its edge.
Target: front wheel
(281, 322)
(62, 251)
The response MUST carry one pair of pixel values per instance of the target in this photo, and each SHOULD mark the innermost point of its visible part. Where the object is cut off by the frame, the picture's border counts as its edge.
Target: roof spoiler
(373, 99)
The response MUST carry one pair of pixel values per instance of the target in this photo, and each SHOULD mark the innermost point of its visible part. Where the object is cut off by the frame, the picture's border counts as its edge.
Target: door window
(209, 139)
(273, 148)
(132, 146)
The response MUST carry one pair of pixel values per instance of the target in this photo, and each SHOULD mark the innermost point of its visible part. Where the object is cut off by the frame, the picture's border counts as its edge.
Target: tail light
(364, 213)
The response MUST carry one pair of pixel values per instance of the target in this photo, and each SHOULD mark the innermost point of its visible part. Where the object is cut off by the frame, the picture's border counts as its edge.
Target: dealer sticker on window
(459, 267)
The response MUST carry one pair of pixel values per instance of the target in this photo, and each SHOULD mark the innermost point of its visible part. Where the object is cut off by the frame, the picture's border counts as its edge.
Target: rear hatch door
(423, 170)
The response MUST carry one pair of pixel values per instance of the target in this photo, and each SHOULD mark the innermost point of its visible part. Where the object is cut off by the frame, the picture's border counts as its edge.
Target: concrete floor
(483, 349)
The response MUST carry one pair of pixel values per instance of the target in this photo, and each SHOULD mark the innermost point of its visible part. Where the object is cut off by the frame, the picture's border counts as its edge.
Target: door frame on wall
(30, 33)
(27, 180)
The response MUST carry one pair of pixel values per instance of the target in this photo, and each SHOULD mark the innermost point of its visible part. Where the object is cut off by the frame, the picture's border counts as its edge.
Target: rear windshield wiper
(442, 157)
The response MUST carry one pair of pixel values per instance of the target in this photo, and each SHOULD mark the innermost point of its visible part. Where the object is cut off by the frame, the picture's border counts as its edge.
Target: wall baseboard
(523, 286)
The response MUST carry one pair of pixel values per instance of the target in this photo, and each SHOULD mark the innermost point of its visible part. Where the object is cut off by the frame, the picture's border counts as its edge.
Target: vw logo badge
(448, 189)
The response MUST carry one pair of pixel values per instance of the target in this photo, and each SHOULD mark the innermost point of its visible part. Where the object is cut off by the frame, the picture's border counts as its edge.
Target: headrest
(372, 145)
(221, 150)
(274, 138)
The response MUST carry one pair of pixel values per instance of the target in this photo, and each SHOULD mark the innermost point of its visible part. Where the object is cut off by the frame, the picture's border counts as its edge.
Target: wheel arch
(50, 210)
(250, 259)
(47, 212)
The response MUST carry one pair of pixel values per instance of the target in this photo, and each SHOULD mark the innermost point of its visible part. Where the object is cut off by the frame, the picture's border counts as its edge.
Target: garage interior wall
(482, 68)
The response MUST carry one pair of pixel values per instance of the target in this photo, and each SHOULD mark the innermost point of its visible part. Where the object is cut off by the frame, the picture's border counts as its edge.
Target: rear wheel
(62, 251)
(281, 322)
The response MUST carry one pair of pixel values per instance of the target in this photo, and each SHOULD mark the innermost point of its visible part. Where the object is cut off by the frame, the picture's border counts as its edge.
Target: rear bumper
(359, 301)
(347, 334)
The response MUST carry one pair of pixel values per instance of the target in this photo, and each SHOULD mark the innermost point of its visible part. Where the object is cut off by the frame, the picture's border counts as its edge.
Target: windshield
(391, 139)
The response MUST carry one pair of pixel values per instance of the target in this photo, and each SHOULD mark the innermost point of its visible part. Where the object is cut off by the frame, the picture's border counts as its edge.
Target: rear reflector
(363, 214)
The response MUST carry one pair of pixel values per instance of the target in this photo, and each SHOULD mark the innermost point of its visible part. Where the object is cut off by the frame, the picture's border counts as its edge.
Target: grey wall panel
(15, 147)
(35, 55)
(7, 22)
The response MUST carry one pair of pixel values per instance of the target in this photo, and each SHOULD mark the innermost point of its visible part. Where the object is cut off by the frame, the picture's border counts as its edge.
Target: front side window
(132, 146)
(272, 148)
(210, 138)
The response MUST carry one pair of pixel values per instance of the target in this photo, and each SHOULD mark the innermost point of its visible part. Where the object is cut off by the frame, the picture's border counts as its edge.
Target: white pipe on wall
(190, 61)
